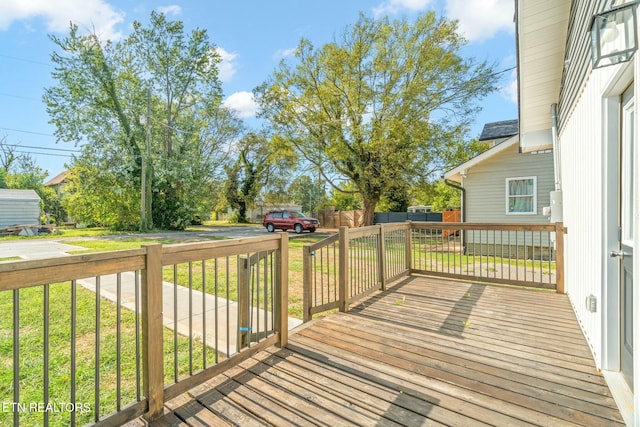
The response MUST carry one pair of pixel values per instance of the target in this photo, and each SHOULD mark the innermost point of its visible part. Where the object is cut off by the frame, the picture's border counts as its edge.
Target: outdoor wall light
(613, 35)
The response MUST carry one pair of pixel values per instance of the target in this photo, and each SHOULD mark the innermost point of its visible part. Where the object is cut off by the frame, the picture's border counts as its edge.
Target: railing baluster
(72, 374)
(45, 397)
(118, 340)
(315, 276)
(16, 354)
(309, 272)
(502, 254)
(493, 253)
(266, 270)
(215, 308)
(204, 313)
(228, 281)
(190, 318)
(96, 407)
(138, 304)
(176, 376)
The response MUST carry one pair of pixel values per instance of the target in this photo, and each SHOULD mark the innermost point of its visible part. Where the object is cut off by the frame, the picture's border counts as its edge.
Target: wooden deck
(427, 352)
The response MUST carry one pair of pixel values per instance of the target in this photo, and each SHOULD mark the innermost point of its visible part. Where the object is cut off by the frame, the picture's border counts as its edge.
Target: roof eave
(456, 174)
(541, 34)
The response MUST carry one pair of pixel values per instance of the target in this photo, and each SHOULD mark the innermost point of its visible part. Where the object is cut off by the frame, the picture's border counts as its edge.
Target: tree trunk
(242, 212)
(369, 206)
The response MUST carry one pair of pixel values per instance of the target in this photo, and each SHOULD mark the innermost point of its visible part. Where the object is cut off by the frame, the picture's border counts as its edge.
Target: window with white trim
(521, 195)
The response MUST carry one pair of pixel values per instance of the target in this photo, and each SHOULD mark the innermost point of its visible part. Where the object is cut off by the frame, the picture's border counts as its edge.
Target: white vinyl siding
(485, 185)
(520, 195)
(584, 154)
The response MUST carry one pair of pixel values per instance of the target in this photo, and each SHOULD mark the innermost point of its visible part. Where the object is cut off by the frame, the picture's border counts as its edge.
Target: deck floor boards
(428, 351)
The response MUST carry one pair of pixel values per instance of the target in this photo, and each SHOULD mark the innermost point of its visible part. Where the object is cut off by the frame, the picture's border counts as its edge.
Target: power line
(19, 97)
(40, 148)
(503, 71)
(26, 60)
(26, 131)
(44, 154)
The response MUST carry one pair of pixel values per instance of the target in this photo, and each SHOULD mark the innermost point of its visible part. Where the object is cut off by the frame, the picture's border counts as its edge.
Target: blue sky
(251, 35)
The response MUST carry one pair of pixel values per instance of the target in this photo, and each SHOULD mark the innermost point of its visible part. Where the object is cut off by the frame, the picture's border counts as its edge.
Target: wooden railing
(516, 254)
(107, 337)
(352, 264)
(348, 266)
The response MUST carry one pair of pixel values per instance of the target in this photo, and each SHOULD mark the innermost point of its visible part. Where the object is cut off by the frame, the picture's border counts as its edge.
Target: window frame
(508, 196)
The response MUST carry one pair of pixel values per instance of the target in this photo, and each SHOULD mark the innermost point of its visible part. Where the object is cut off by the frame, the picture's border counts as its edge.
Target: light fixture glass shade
(614, 35)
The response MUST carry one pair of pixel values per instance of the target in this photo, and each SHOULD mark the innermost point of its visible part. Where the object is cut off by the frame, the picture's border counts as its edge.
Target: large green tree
(259, 162)
(379, 105)
(150, 102)
(308, 193)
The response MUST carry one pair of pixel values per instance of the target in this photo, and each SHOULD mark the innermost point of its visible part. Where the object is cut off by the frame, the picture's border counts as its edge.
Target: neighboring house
(502, 185)
(19, 207)
(58, 183)
(589, 114)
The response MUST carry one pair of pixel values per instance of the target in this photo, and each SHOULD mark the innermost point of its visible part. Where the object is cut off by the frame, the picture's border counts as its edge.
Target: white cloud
(482, 20)
(283, 53)
(392, 7)
(510, 90)
(173, 9)
(227, 66)
(89, 15)
(243, 103)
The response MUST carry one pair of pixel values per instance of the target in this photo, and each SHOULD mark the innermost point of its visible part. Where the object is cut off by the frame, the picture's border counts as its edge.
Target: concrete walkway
(225, 311)
(35, 249)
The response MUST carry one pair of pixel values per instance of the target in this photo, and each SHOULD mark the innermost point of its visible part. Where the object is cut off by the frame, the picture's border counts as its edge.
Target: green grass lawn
(68, 232)
(64, 232)
(31, 303)
(103, 245)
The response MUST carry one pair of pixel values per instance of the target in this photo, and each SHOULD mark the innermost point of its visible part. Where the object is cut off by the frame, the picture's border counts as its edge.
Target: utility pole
(149, 167)
(143, 180)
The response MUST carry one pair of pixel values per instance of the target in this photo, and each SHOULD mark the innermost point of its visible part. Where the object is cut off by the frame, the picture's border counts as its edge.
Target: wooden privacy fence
(348, 266)
(104, 338)
(330, 218)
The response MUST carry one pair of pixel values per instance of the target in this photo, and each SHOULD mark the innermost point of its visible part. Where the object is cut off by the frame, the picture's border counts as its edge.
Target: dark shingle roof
(497, 130)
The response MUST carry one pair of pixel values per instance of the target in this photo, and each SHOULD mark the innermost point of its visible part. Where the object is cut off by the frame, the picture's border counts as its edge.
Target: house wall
(485, 197)
(19, 207)
(578, 52)
(588, 136)
(589, 172)
(581, 154)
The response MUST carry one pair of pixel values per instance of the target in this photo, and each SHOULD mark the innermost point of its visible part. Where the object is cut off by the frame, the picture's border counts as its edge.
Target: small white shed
(19, 207)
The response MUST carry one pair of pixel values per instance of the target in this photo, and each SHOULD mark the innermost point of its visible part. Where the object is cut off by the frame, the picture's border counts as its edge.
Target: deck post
(152, 331)
(560, 232)
(307, 282)
(382, 259)
(282, 283)
(244, 271)
(343, 262)
(408, 249)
